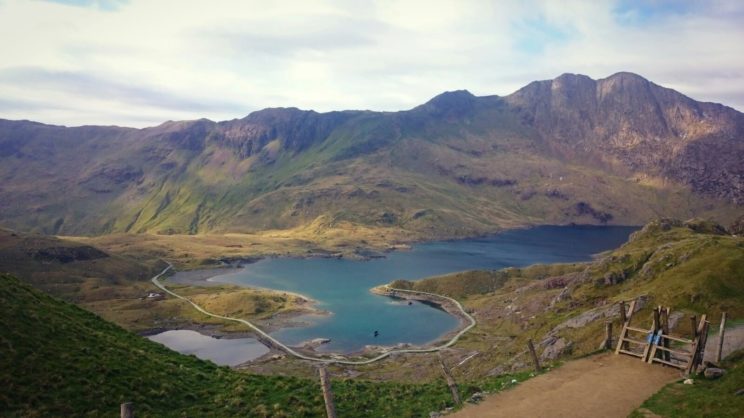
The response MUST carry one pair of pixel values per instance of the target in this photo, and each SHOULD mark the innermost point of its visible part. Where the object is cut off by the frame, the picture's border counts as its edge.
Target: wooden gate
(657, 345)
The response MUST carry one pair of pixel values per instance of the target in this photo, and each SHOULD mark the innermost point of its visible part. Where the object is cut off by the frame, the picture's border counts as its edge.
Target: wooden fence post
(657, 319)
(702, 339)
(534, 355)
(665, 329)
(450, 380)
(693, 326)
(608, 335)
(623, 312)
(127, 410)
(721, 332)
(325, 385)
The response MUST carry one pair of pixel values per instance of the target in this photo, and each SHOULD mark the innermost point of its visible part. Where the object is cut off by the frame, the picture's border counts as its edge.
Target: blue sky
(140, 62)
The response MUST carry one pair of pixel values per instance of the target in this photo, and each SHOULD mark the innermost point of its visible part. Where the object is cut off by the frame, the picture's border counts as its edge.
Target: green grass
(59, 360)
(478, 282)
(704, 398)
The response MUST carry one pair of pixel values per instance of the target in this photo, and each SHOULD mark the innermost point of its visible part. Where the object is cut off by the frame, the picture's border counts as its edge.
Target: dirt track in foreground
(606, 385)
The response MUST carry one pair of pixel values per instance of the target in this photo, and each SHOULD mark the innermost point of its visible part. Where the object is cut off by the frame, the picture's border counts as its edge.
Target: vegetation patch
(723, 397)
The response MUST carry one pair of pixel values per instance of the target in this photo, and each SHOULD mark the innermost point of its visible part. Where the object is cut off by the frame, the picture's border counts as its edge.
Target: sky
(141, 62)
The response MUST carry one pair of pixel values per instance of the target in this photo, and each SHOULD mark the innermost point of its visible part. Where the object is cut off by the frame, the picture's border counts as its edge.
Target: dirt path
(606, 385)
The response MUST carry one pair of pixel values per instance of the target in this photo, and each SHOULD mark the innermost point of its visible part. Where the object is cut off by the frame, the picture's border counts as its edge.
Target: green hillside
(705, 398)
(458, 165)
(59, 360)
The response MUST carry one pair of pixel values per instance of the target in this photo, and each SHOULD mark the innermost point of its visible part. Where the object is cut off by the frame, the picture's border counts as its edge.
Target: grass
(59, 360)
(114, 286)
(141, 314)
(704, 398)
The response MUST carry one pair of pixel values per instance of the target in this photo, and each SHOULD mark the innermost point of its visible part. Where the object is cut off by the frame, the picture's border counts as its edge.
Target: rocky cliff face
(649, 129)
(295, 128)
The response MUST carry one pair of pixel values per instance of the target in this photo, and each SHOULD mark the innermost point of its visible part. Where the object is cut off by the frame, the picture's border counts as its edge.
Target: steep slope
(59, 360)
(565, 150)
(645, 128)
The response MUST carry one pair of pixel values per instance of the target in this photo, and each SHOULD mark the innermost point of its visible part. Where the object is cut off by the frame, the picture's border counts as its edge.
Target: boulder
(737, 228)
(558, 347)
(476, 397)
(713, 373)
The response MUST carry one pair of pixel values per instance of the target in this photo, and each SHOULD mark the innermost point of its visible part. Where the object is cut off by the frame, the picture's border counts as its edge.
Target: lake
(222, 351)
(341, 286)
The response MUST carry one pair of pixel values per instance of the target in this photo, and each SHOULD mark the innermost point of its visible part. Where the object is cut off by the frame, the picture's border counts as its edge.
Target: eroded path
(606, 385)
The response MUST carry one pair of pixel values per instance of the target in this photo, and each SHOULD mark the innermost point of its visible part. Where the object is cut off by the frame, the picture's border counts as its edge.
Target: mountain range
(616, 150)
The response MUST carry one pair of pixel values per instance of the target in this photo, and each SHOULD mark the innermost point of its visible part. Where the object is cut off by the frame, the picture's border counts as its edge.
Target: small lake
(341, 286)
(222, 351)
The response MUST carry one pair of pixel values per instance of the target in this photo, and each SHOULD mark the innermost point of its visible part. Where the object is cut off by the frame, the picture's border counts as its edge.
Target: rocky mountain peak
(450, 103)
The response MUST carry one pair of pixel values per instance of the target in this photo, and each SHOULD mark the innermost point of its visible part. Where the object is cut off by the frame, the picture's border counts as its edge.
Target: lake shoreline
(283, 320)
(434, 301)
(279, 320)
(369, 253)
(459, 320)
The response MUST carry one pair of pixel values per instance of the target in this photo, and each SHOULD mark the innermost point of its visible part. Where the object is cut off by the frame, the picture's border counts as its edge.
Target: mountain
(616, 150)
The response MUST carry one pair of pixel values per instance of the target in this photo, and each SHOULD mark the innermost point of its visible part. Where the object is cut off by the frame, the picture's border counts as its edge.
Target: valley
(406, 209)
(294, 222)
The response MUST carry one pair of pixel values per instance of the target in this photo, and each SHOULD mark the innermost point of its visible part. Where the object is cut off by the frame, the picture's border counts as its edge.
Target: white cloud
(144, 61)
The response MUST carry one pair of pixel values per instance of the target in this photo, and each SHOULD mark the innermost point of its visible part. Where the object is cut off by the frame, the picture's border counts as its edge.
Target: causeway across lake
(341, 286)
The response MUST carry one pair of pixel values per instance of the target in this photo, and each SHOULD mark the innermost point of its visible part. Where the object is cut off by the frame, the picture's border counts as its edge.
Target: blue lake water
(341, 286)
(222, 351)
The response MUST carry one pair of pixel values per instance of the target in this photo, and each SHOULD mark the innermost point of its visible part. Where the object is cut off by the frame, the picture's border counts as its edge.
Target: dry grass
(323, 237)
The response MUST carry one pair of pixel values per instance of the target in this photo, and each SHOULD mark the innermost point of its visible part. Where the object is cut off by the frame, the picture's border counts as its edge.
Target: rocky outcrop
(555, 347)
(295, 129)
(737, 228)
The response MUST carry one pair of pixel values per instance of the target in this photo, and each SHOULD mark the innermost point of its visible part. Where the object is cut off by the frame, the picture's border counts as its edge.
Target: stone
(713, 373)
(556, 349)
(688, 381)
(497, 371)
(476, 397)
(739, 392)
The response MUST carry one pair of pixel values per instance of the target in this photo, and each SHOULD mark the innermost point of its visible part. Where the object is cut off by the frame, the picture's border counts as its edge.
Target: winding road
(155, 280)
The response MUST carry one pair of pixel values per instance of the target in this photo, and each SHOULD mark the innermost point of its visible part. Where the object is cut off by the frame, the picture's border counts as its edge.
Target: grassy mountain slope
(565, 150)
(59, 360)
(704, 398)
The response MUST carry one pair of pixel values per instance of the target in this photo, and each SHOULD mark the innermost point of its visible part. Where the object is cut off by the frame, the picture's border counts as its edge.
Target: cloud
(107, 5)
(86, 85)
(151, 60)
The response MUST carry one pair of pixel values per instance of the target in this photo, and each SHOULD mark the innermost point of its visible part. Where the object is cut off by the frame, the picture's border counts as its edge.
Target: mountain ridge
(551, 152)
